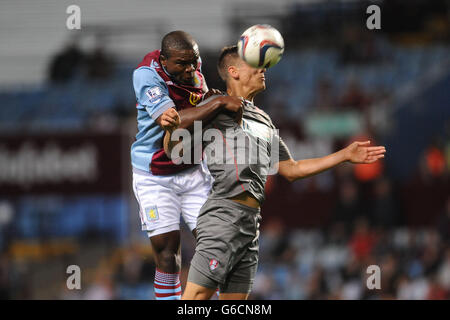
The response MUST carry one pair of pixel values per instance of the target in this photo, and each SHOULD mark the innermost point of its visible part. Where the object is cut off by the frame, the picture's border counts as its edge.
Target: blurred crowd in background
(334, 85)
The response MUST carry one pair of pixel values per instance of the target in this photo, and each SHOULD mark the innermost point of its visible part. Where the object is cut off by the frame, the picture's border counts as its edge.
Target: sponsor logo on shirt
(194, 98)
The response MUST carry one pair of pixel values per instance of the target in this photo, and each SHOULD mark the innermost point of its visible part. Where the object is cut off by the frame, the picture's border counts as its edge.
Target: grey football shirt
(241, 156)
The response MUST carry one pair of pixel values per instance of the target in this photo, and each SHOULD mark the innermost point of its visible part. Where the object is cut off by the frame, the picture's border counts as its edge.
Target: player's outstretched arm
(357, 152)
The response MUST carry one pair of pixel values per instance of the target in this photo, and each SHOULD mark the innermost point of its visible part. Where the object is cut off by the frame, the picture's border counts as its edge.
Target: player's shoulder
(147, 71)
(148, 76)
(260, 113)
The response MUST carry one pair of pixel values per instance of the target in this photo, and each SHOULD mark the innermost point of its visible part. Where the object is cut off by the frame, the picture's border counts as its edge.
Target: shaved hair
(228, 56)
(177, 40)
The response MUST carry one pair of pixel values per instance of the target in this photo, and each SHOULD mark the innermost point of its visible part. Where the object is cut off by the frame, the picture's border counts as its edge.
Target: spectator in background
(390, 276)
(378, 118)
(436, 291)
(433, 166)
(274, 239)
(443, 222)
(5, 289)
(384, 211)
(447, 148)
(325, 98)
(317, 285)
(348, 206)
(350, 51)
(354, 97)
(359, 46)
(65, 64)
(443, 275)
(435, 160)
(351, 287)
(102, 287)
(7, 212)
(363, 240)
(431, 255)
(130, 269)
(99, 64)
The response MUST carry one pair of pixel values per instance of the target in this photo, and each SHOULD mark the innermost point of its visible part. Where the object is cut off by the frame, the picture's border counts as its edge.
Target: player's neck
(240, 92)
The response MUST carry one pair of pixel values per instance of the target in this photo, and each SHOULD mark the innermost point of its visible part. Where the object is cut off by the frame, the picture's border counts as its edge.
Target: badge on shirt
(152, 213)
(213, 264)
(154, 94)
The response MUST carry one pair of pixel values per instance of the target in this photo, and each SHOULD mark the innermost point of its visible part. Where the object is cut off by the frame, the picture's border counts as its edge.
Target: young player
(228, 224)
(166, 80)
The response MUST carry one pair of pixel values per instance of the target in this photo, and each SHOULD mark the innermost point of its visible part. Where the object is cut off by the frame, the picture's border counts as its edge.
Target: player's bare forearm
(207, 111)
(202, 113)
(169, 144)
(294, 170)
(357, 152)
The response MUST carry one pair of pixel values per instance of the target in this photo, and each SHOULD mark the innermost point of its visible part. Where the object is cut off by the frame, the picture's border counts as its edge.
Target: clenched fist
(233, 104)
(169, 120)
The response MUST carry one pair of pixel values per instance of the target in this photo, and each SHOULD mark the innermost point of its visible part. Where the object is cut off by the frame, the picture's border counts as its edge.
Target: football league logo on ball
(213, 263)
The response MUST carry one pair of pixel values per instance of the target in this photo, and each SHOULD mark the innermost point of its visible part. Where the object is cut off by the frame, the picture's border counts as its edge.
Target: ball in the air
(261, 46)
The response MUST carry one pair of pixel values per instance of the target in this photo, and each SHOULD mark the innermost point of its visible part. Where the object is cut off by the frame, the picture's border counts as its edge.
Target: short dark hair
(178, 40)
(227, 56)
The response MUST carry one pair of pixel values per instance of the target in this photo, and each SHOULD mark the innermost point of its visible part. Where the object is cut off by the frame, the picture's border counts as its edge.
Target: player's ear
(233, 72)
(163, 60)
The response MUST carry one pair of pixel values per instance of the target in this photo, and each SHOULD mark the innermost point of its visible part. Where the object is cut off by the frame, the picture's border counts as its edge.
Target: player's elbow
(289, 176)
(289, 170)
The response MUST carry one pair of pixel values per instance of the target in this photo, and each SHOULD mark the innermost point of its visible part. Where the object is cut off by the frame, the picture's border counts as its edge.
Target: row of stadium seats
(50, 217)
(293, 81)
(65, 106)
(299, 72)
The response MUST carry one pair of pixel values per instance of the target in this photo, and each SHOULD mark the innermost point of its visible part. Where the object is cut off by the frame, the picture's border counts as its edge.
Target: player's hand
(169, 120)
(212, 92)
(236, 105)
(233, 104)
(360, 152)
(238, 117)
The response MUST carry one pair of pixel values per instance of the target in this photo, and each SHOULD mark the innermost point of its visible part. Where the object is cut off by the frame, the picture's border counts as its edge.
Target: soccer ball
(261, 46)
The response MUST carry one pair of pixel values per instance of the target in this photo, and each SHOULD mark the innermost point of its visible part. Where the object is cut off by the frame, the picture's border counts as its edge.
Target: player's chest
(183, 97)
(257, 129)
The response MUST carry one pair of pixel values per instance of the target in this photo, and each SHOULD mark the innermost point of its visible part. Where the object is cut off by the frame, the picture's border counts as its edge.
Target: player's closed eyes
(186, 63)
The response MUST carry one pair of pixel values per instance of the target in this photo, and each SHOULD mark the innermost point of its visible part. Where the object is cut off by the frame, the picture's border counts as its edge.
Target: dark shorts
(226, 255)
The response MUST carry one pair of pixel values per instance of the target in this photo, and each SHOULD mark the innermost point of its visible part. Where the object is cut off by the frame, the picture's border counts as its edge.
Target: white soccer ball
(261, 46)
